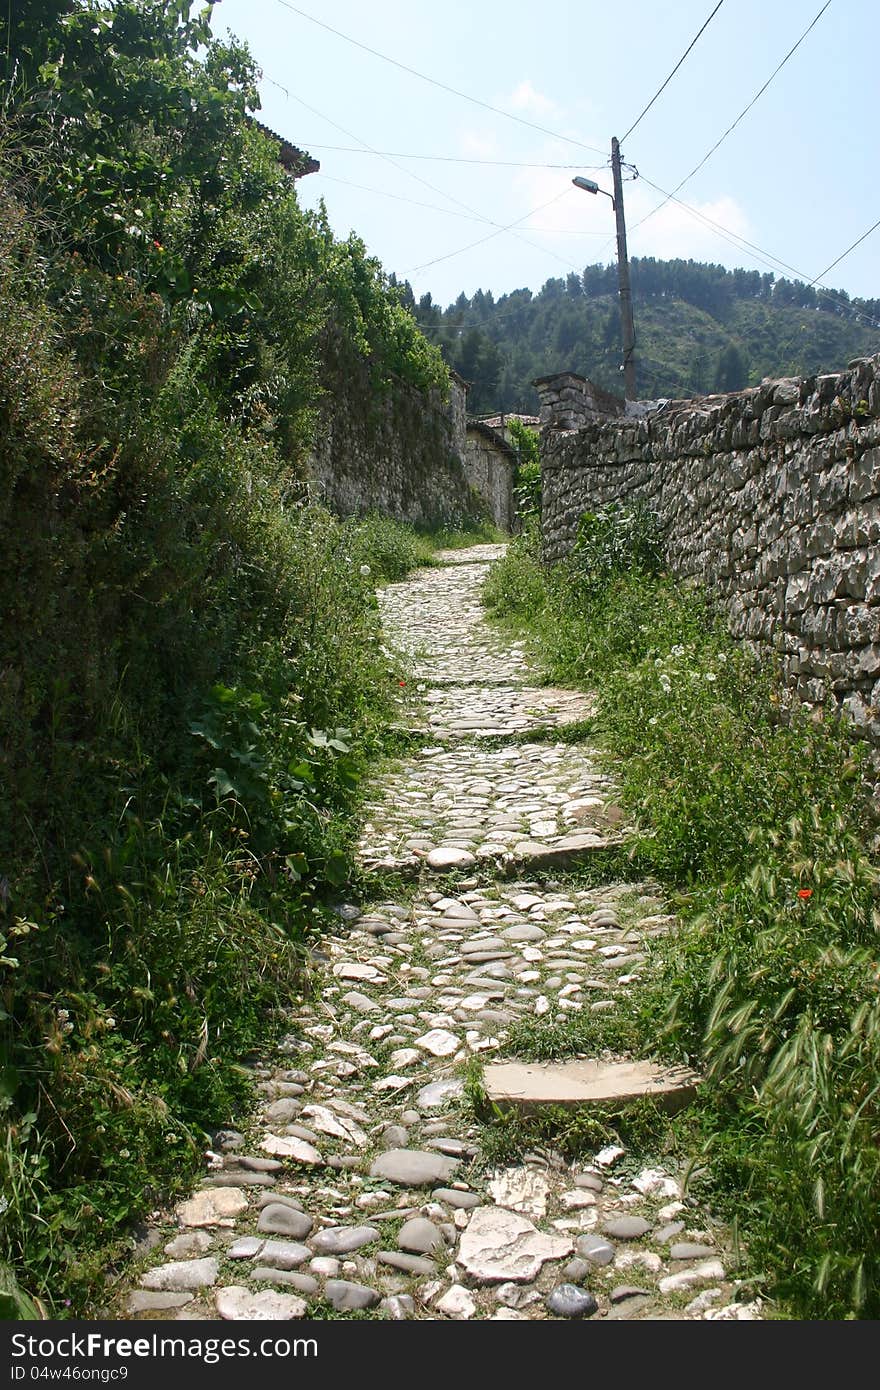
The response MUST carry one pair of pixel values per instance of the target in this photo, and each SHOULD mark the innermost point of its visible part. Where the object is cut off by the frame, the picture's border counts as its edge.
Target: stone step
(528, 1085)
(568, 853)
(510, 711)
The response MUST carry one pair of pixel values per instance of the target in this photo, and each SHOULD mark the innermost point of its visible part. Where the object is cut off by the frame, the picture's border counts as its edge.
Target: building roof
(294, 161)
(498, 422)
(493, 436)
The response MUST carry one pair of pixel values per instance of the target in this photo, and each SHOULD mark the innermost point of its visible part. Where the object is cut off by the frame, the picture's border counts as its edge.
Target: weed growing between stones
(640, 1127)
(757, 813)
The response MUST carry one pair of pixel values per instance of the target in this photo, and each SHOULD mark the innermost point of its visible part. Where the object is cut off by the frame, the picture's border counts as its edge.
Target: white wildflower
(365, 571)
(711, 676)
(665, 683)
(678, 650)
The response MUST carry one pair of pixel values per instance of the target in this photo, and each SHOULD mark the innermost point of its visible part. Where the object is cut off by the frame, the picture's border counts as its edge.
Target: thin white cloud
(526, 97)
(675, 232)
(477, 144)
(668, 234)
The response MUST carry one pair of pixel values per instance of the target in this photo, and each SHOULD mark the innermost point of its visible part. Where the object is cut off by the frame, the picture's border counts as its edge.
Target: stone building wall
(398, 451)
(490, 468)
(771, 497)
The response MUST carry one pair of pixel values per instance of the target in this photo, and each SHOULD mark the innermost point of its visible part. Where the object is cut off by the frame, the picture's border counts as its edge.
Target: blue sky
(797, 177)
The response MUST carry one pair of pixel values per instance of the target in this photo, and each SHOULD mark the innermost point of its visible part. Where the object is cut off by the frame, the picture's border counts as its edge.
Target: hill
(699, 328)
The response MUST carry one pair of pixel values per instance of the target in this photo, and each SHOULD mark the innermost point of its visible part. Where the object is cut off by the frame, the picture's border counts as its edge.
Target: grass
(755, 814)
(154, 931)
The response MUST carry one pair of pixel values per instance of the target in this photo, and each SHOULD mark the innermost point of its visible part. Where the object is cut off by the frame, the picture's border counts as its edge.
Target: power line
(399, 167)
(434, 189)
(525, 217)
(674, 71)
(448, 158)
(767, 257)
(399, 198)
(730, 128)
(465, 96)
(844, 254)
(447, 212)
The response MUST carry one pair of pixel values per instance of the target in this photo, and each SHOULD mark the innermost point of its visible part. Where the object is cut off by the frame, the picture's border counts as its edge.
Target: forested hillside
(699, 328)
(191, 676)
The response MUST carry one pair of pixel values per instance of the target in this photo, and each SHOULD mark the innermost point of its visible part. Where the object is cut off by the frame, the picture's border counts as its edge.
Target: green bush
(757, 812)
(193, 678)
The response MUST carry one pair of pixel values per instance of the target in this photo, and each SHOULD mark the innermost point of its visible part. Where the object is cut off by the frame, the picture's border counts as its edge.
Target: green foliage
(732, 373)
(518, 586)
(193, 677)
(615, 540)
(387, 549)
(527, 482)
(758, 811)
(700, 328)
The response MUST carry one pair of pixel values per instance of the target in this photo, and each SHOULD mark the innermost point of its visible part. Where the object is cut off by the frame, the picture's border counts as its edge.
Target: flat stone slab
(413, 1167)
(209, 1208)
(437, 1093)
(347, 1297)
(588, 1083)
(237, 1304)
(182, 1276)
(144, 1301)
(342, 1240)
(288, 1146)
(278, 1218)
(500, 1246)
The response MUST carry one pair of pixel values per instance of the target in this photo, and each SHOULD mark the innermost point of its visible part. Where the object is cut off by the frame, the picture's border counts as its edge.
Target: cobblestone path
(360, 1183)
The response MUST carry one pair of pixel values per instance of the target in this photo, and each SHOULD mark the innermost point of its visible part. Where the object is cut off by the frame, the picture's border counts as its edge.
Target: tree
(732, 373)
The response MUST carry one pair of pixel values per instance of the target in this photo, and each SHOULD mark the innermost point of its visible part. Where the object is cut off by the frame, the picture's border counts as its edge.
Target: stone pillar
(569, 401)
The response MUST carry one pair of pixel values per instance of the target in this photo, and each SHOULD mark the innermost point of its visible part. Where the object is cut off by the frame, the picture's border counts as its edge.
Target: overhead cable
(509, 228)
(449, 158)
(674, 71)
(767, 257)
(746, 109)
(453, 91)
(447, 212)
(844, 254)
(490, 222)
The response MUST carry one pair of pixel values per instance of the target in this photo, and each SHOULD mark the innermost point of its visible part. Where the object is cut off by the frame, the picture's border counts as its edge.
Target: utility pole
(627, 329)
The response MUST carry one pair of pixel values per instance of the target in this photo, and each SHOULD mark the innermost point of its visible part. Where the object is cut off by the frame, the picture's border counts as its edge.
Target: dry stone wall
(397, 451)
(771, 497)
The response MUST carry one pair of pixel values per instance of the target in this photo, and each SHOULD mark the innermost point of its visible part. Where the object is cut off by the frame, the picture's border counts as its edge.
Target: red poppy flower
(401, 682)
(805, 893)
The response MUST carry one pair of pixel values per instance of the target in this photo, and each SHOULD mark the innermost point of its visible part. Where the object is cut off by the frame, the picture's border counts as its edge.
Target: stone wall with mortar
(771, 497)
(397, 451)
(490, 468)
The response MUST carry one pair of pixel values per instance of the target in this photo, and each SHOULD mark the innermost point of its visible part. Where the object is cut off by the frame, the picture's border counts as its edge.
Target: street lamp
(627, 328)
(589, 186)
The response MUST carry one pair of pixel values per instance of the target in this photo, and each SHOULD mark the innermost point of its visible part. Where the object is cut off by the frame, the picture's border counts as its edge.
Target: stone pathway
(360, 1184)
